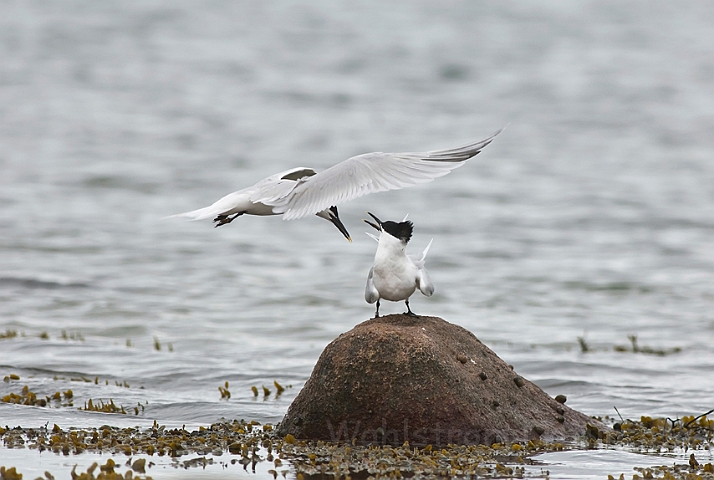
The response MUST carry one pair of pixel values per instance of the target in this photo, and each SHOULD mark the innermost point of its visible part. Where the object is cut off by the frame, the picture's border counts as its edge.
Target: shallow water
(590, 215)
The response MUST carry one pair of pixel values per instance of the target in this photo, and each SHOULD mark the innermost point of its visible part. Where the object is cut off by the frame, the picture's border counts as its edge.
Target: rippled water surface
(591, 215)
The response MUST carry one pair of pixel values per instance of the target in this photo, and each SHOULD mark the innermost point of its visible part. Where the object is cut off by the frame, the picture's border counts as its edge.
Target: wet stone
(394, 379)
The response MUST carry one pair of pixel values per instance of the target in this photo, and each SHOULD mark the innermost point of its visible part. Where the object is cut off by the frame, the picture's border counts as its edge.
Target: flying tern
(395, 276)
(302, 191)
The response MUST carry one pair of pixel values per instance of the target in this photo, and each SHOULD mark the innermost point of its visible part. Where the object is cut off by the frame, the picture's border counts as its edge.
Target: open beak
(377, 226)
(335, 219)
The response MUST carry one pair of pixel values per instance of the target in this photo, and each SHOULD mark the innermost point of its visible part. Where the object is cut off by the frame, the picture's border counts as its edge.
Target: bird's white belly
(260, 209)
(394, 284)
(240, 202)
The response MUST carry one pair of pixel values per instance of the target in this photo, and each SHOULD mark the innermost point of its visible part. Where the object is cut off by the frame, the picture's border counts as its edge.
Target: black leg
(409, 310)
(223, 219)
(376, 315)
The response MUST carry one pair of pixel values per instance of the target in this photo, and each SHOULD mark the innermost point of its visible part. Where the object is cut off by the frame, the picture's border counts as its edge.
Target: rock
(399, 378)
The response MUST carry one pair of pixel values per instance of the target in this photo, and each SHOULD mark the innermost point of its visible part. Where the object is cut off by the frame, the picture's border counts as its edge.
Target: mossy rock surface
(426, 381)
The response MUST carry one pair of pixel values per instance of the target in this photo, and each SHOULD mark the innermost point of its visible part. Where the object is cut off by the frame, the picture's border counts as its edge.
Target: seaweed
(251, 443)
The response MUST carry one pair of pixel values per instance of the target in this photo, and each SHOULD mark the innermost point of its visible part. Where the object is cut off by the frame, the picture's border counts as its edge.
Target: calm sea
(590, 217)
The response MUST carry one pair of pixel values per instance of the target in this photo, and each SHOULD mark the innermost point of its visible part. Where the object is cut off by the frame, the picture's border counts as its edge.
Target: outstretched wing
(370, 173)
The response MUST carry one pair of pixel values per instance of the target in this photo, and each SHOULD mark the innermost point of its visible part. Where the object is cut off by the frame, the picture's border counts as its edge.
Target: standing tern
(302, 191)
(395, 276)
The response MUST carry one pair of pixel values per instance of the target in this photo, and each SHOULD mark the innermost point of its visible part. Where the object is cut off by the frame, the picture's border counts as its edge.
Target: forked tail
(419, 261)
(200, 214)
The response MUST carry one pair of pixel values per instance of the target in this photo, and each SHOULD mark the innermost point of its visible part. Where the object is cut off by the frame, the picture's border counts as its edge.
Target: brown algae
(8, 334)
(106, 472)
(225, 393)
(279, 389)
(65, 399)
(252, 443)
(647, 350)
(30, 398)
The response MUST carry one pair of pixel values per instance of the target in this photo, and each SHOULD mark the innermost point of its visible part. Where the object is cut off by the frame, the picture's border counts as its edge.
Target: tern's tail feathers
(235, 202)
(426, 250)
(200, 214)
(419, 261)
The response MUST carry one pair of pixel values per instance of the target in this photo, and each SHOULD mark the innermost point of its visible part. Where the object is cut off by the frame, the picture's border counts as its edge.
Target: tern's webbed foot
(223, 219)
(409, 310)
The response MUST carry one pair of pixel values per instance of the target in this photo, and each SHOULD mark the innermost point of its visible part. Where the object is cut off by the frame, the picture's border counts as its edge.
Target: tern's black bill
(335, 219)
(379, 222)
(401, 230)
(377, 226)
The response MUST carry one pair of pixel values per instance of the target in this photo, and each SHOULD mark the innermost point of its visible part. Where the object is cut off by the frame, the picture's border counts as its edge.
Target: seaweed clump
(101, 406)
(30, 398)
(647, 350)
(8, 334)
(106, 472)
(64, 399)
(251, 443)
(658, 435)
(692, 471)
(331, 460)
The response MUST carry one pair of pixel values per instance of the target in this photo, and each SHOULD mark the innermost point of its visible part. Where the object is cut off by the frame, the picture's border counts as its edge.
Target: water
(590, 216)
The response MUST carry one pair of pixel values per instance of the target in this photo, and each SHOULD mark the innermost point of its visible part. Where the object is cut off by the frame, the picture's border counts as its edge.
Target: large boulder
(421, 379)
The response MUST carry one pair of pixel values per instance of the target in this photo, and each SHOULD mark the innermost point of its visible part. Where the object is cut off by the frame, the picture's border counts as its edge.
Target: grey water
(591, 216)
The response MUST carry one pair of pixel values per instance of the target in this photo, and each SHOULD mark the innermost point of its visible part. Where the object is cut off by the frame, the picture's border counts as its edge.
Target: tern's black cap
(401, 230)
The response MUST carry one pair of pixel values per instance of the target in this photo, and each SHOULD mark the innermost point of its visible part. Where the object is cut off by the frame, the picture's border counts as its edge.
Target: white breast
(395, 275)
